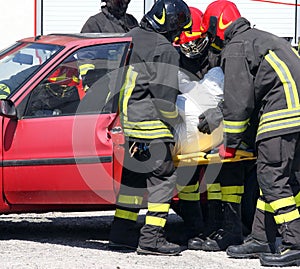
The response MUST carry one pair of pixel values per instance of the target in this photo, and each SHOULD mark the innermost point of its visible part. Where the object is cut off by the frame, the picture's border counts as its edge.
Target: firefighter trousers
(188, 188)
(148, 171)
(278, 172)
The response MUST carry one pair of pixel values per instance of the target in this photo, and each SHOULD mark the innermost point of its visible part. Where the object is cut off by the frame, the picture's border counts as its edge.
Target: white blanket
(197, 97)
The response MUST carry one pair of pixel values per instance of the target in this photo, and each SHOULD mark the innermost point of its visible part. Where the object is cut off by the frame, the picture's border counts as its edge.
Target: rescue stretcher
(192, 147)
(204, 158)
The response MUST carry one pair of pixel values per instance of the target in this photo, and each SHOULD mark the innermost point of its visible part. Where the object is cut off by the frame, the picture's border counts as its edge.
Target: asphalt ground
(79, 240)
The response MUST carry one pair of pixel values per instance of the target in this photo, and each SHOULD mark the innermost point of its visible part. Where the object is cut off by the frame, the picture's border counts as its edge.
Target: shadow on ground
(75, 231)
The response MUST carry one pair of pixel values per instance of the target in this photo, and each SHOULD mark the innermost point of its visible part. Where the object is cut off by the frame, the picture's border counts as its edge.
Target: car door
(61, 149)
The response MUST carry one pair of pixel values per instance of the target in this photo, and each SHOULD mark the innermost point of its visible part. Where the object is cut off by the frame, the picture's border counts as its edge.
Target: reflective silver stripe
(145, 125)
(286, 79)
(279, 114)
(169, 114)
(146, 129)
(235, 126)
(277, 125)
(149, 134)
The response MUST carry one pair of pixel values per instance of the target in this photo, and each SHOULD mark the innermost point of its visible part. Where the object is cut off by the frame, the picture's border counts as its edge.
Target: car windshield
(20, 63)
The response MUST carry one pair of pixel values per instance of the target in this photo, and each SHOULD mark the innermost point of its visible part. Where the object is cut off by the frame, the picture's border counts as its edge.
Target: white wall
(272, 17)
(68, 16)
(16, 20)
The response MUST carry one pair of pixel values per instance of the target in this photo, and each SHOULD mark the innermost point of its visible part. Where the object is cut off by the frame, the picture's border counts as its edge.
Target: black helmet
(170, 18)
(116, 7)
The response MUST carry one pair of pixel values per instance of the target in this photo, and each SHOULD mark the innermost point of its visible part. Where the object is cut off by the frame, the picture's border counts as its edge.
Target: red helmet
(191, 43)
(225, 12)
(65, 75)
(195, 33)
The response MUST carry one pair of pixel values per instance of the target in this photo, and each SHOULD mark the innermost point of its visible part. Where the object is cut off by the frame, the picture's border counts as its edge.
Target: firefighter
(188, 178)
(59, 95)
(147, 105)
(112, 18)
(262, 86)
(224, 191)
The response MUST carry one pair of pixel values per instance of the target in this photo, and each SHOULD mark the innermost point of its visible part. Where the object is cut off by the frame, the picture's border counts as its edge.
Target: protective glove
(225, 152)
(210, 119)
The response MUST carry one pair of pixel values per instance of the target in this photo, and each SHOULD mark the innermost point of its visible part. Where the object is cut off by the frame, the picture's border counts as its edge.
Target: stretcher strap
(199, 158)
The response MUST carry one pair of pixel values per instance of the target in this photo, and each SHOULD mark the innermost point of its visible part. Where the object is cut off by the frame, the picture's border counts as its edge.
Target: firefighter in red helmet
(261, 90)
(200, 56)
(188, 185)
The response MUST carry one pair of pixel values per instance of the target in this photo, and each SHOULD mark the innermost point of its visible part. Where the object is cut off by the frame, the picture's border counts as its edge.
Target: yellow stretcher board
(202, 158)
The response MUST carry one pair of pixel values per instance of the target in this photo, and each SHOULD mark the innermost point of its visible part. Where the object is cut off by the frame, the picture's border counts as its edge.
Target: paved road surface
(79, 240)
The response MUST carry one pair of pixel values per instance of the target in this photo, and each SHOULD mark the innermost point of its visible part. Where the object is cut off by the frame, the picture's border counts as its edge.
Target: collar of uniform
(239, 26)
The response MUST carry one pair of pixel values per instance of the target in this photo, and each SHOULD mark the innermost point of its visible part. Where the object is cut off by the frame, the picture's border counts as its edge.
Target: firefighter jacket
(148, 97)
(262, 84)
(104, 22)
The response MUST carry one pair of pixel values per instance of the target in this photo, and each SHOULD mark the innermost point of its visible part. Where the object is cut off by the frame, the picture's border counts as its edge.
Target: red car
(60, 134)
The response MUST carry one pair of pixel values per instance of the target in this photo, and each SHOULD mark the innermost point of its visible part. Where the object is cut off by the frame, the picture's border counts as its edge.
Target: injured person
(195, 98)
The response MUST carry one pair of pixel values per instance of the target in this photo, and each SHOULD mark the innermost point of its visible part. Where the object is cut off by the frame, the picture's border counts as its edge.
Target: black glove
(210, 119)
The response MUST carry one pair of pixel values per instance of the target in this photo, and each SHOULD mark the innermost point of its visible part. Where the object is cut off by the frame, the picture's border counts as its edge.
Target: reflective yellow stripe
(235, 126)
(287, 217)
(145, 125)
(297, 199)
(214, 196)
(169, 114)
(4, 91)
(286, 79)
(278, 125)
(84, 68)
(189, 188)
(213, 187)
(189, 196)
(232, 190)
(194, 33)
(107, 97)
(149, 134)
(215, 46)
(155, 207)
(231, 198)
(281, 203)
(155, 221)
(126, 91)
(279, 115)
(131, 200)
(189, 25)
(264, 206)
(124, 214)
(148, 129)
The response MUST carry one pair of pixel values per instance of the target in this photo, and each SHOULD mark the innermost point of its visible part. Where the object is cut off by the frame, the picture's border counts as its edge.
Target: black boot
(164, 248)
(124, 235)
(153, 242)
(230, 234)
(251, 248)
(212, 224)
(285, 256)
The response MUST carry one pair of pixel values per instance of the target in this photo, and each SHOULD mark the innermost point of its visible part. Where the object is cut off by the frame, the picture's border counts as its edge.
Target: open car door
(62, 148)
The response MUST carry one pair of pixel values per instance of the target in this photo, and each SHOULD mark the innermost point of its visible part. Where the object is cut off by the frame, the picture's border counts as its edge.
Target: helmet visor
(195, 48)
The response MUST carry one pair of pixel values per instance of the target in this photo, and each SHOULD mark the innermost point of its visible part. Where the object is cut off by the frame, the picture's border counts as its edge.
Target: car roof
(64, 39)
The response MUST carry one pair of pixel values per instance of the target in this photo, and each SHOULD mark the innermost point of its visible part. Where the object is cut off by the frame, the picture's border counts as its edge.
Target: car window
(19, 66)
(81, 84)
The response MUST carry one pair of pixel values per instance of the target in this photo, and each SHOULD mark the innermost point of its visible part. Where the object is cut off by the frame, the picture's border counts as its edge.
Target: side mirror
(8, 109)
